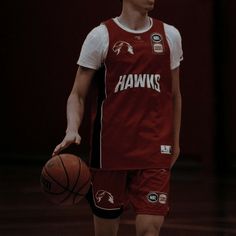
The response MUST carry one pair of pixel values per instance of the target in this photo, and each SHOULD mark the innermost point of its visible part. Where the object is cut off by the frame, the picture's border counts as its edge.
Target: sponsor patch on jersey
(156, 38)
(157, 43)
(166, 149)
(158, 48)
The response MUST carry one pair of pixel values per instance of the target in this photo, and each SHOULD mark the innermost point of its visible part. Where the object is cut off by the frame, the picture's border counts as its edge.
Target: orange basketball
(65, 179)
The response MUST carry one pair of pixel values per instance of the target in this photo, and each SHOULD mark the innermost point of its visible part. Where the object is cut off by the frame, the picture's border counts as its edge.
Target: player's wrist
(71, 131)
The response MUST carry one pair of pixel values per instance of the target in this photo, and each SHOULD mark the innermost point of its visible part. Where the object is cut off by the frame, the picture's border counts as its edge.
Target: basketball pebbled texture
(65, 179)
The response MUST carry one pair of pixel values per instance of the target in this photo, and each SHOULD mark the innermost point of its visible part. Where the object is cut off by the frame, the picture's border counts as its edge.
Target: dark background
(41, 42)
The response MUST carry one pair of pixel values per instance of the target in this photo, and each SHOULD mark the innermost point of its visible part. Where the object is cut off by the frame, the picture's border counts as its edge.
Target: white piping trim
(101, 121)
(133, 31)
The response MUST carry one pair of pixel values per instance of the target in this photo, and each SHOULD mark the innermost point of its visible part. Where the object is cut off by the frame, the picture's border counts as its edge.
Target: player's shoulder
(98, 32)
(172, 32)
(98, 29)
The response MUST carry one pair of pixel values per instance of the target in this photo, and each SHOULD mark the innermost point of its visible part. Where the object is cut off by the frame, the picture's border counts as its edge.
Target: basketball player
(136, 130)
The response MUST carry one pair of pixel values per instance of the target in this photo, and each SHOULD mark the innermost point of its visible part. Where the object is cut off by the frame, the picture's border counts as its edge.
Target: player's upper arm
(175, 81)
(82, 81)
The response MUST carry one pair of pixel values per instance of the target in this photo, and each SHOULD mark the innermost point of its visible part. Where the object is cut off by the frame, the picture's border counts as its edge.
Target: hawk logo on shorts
(122, 46)
(102, 193)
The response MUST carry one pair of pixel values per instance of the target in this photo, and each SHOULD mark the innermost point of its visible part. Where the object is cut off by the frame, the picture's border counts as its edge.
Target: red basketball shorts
(145, 190)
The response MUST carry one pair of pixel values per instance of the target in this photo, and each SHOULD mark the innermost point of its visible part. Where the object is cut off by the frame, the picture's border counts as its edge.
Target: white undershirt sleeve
(94, 48)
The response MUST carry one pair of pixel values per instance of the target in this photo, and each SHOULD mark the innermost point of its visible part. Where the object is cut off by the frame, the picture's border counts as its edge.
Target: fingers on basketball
(77, 139)
(56, 150)
(65, 143)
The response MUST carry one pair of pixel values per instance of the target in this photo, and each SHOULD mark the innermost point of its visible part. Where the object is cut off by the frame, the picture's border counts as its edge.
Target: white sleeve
(175, 45)
(94, 48)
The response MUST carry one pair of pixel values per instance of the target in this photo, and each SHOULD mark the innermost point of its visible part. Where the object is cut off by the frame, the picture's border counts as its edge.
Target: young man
(136, 130)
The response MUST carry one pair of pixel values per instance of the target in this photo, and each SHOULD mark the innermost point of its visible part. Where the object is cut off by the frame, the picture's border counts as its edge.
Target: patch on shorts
(162, 198)
(154, 197)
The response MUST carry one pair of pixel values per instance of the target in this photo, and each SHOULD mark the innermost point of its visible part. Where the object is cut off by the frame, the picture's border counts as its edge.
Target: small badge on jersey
(157, 43)
(166, 149)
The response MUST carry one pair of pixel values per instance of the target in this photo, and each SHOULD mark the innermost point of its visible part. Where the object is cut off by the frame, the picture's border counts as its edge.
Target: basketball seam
(74, 183)
(44, 189)
(80, 167)
(68, 181)
(84, 185)
(67, 177)
(65, 189)
(78, 193)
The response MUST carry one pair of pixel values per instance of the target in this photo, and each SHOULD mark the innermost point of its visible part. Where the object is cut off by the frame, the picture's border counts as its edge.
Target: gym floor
(201, 204)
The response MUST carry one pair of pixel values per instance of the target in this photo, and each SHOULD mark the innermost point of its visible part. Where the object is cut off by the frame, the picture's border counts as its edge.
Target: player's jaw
(150, 5)
(146, 5)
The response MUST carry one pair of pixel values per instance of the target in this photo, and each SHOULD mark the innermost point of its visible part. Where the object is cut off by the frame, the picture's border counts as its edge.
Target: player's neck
(134, 20)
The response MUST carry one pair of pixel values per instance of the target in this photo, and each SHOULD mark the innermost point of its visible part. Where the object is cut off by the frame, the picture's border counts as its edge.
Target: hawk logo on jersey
(102, 193)
(122, 46)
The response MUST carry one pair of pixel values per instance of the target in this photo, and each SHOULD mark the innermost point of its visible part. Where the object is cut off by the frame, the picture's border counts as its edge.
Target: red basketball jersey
(133, 128)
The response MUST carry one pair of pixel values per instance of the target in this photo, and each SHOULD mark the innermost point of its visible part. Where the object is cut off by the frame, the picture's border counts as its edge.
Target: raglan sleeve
(175, 43)
(93, 49)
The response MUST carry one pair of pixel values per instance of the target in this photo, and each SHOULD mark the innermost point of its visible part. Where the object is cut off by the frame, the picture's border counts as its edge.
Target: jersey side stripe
(96, 137)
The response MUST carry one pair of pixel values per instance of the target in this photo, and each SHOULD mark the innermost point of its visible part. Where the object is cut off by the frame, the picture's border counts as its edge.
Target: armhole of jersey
(106, 25)
(171, 45)
(108, 42)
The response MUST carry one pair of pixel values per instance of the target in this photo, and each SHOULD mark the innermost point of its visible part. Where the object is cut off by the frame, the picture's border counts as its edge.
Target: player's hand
(70, 138)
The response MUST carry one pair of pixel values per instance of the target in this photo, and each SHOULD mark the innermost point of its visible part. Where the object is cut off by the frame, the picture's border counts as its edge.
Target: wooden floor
(201, 205)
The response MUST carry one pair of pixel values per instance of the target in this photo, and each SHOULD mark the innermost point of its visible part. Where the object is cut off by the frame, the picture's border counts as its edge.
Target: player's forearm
(75, 112)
